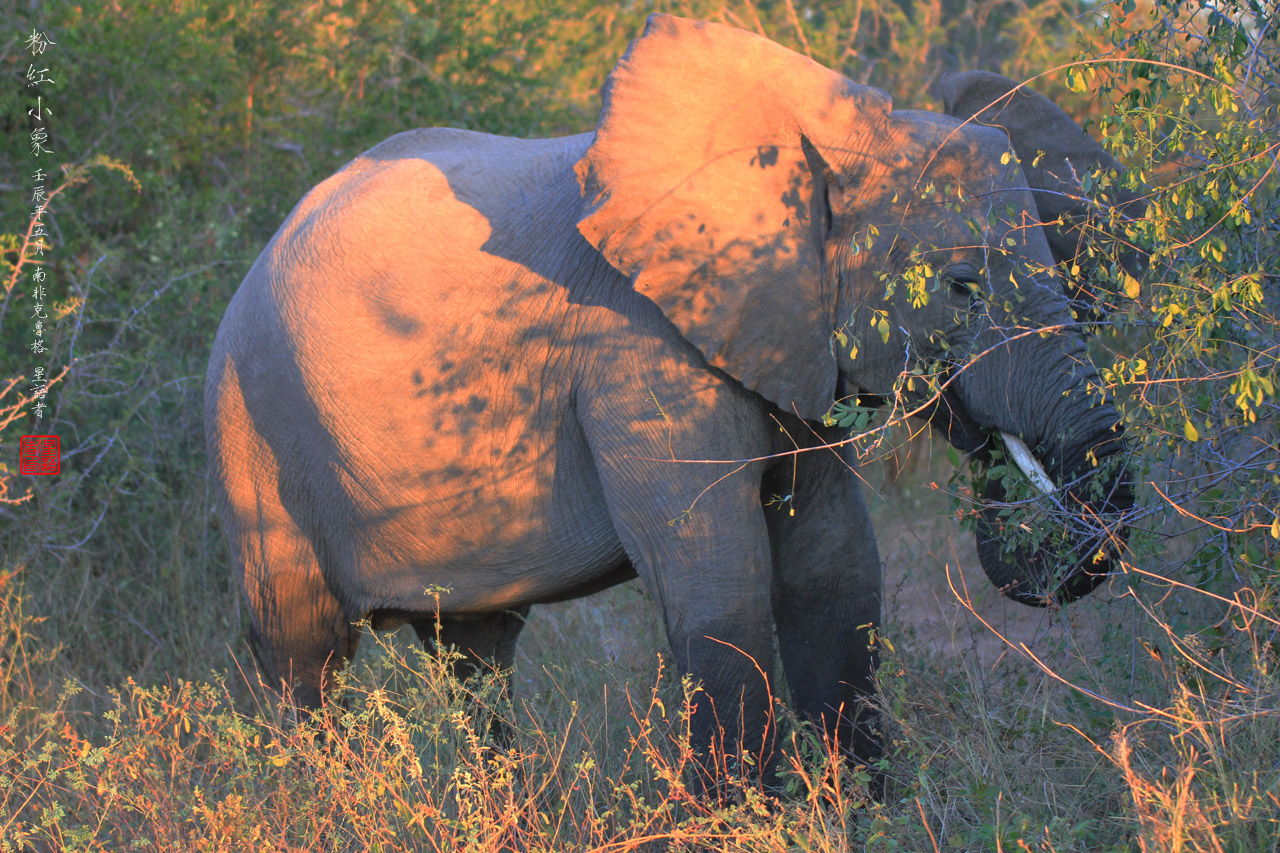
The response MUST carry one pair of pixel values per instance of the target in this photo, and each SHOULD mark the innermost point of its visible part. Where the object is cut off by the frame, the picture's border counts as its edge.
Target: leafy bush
(1182, 296)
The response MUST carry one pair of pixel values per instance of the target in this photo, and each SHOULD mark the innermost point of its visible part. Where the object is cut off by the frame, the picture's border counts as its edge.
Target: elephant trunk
(1064, 543)
(1063, 552)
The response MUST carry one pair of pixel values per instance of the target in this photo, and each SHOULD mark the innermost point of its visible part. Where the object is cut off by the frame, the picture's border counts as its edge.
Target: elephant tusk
(1027, 463)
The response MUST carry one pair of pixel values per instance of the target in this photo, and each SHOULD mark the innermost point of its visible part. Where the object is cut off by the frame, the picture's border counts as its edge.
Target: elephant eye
(965, 286)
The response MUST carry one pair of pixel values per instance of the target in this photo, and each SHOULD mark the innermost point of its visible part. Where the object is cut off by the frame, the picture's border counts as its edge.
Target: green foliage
(1196, 341)
(1195, 346)
(1187, 332)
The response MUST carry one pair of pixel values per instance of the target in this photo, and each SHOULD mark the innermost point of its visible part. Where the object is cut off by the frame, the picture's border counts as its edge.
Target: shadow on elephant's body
(507, 371)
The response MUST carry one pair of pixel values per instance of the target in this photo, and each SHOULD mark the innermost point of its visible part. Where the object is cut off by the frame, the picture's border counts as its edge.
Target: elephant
(1073, 225)
(519, 371)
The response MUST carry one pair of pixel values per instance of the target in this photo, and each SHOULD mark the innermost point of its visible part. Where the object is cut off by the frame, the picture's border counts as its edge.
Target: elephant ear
(697, 186)
(1035, 124)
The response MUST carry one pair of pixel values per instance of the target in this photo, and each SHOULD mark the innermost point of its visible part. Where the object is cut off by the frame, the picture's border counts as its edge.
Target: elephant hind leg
(483, 642)
(300, 632)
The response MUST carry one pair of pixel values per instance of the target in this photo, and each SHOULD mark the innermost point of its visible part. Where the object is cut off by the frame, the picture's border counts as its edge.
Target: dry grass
(986, 750)
(1108, 725)
(404, 765)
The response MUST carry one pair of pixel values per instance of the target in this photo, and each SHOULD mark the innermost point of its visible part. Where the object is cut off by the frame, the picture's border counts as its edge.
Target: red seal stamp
(39, 454)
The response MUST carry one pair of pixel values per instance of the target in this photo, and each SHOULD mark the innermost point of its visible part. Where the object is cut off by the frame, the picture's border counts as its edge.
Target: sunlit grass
(403, 761)
(983, 750)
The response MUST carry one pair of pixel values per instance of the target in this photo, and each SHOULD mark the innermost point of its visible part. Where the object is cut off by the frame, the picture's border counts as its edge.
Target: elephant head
(1057, 156)
(805, 237)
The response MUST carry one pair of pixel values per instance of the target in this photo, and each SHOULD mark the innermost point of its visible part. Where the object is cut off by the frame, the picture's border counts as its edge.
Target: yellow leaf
(1190, 431)
(1130, 286)
(1004, 159)
(1275, 528)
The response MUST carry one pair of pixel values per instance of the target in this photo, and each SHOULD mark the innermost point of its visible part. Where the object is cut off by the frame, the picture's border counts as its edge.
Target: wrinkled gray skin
(1035, 125)
(468, 362)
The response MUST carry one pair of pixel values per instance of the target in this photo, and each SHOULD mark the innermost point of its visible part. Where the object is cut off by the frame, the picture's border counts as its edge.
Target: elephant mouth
(948, 414)
(1059, 535)
(1052, 534)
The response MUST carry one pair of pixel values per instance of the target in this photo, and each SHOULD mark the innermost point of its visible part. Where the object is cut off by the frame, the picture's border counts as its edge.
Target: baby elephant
(482, 364)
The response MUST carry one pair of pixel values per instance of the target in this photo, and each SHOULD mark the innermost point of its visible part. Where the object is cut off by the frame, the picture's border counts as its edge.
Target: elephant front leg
(826, 598)
(708, 570)
(726, 648)
(709, 573)
(697, 537)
